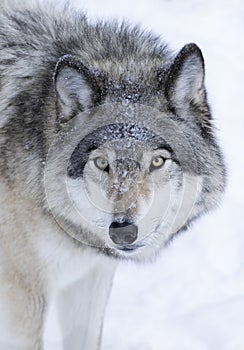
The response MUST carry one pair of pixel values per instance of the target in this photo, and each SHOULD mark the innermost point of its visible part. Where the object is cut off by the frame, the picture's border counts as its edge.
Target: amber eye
(101, 163)
(157, 162)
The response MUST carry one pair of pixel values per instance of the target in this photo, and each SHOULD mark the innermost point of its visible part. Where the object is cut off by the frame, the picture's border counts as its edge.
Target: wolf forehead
(133, 137)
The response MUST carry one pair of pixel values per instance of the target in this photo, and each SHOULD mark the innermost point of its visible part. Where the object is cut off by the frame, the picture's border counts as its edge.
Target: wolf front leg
(21, 318)
(81, 308)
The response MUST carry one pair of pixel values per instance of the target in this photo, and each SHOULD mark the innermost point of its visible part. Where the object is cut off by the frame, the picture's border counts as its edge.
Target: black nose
(123, 233)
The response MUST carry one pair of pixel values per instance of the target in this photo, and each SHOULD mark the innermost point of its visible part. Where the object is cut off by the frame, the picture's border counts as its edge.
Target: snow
(192, 297)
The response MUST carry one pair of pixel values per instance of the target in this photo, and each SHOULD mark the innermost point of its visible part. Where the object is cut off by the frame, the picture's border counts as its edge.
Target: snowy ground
(192, 298)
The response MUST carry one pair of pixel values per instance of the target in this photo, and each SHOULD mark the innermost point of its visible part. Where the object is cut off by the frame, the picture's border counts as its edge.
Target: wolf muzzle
(123, 233)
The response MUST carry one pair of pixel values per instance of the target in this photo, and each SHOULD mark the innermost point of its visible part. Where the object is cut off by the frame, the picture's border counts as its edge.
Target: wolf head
(132, 166)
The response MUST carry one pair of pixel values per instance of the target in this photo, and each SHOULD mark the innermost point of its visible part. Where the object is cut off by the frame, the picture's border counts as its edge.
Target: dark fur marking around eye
(108, 133)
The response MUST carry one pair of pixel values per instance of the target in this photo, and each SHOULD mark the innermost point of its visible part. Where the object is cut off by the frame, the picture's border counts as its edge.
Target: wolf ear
(76, 88)
(185, 81)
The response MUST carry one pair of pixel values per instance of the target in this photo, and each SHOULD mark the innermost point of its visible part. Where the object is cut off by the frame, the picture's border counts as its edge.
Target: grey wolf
(108, 151)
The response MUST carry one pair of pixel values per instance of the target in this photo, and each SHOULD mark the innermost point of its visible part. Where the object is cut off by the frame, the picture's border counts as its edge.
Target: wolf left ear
(76, 88)
(185, 79)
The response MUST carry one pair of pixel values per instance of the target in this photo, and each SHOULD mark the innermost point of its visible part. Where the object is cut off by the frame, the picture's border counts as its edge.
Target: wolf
(108, 150)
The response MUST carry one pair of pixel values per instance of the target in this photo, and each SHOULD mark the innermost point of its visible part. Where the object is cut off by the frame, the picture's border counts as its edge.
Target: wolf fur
(74, 92)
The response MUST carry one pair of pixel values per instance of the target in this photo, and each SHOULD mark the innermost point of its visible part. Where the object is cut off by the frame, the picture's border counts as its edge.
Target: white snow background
(192, 298)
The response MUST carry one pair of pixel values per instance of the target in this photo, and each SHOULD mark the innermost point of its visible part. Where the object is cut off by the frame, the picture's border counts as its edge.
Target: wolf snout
(123, 233)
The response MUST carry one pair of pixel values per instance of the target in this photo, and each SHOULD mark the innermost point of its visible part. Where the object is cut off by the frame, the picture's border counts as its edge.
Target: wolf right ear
(76, 88)
(185, 82)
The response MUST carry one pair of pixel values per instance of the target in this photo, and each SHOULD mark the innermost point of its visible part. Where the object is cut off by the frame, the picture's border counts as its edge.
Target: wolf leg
(81, 308)
(21, 319)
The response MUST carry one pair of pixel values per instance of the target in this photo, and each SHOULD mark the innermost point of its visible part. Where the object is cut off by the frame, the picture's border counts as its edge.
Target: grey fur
(65, 81)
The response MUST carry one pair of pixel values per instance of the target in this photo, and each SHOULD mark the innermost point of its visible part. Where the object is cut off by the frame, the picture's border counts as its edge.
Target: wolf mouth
(132, 248)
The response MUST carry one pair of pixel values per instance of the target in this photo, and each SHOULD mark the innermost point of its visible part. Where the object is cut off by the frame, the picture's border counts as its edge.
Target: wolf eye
(102, 163)
(157, 162)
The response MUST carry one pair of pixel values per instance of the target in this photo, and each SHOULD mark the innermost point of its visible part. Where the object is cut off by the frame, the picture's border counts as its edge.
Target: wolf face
(125, 186)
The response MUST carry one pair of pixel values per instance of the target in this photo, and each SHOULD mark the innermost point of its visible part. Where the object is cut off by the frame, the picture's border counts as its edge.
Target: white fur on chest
(79, 283)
